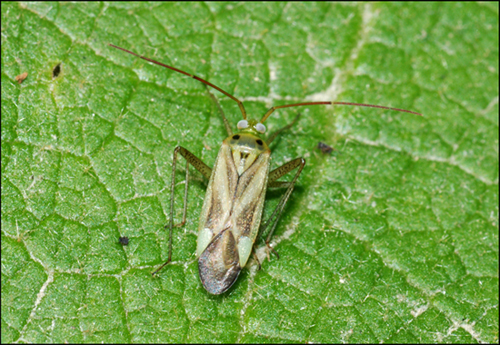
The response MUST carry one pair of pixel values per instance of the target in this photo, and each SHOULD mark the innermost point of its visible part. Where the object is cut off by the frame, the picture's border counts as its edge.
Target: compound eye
(242, 124)
(260, 128)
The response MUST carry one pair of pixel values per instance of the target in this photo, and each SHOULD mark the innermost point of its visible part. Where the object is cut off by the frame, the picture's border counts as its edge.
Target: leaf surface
(393, 237)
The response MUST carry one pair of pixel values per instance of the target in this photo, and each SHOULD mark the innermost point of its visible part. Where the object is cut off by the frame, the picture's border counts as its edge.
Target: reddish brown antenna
(270, 111)
(240, 104)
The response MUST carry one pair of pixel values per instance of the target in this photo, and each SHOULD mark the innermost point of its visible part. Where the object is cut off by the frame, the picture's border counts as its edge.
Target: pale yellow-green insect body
(232, 210)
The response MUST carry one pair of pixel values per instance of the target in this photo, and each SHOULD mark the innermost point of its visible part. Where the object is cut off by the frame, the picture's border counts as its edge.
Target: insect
(21, 77)
(123, 240)
(56, 71)
(232, 210)
(325, 148)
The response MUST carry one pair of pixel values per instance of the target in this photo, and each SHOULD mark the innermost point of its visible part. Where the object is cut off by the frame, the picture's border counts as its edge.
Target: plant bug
(232, 209)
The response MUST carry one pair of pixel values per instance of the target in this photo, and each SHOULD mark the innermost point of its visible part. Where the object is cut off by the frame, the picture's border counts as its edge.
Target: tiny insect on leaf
(20, 78)
(123, 240)
(56, 71)
(325, 148)
(230, 218)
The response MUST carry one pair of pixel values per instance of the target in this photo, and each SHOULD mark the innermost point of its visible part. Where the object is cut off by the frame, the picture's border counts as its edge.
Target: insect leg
(178, 225)
(198, 165)
(256, 258)
(275, 134)
(272, 183)
(224, 119)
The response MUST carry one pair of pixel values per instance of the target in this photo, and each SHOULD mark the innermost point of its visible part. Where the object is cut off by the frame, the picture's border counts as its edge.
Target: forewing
(249, 198)
(218, 199)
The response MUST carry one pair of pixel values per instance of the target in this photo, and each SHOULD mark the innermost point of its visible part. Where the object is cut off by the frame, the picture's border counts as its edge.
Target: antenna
(270, 111)
(240, 104)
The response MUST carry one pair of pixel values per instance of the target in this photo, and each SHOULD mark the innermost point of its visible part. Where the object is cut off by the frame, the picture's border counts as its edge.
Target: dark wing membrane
(219, 264)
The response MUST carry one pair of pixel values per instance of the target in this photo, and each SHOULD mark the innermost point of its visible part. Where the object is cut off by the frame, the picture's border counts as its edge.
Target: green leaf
(393, 237)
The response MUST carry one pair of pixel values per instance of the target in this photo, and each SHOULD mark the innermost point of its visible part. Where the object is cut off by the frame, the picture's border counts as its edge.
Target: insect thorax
(245, 147)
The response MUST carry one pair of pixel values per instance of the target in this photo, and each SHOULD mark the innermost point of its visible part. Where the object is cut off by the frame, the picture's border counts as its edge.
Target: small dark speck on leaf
(56, 71)
(20, 78)
(325, 148)
(124, 240)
